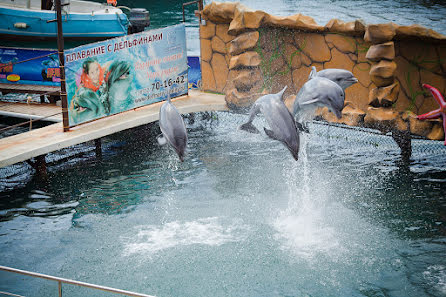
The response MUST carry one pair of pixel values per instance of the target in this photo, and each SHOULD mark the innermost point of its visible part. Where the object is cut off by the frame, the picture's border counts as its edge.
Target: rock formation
(248, 53)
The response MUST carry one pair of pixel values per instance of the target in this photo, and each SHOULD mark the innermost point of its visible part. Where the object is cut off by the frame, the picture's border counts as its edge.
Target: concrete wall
(248, 53)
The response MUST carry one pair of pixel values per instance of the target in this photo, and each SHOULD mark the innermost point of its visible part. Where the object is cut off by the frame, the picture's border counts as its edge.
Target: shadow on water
(407, 197)
(125, 154)
(408, 203)
(132, 164)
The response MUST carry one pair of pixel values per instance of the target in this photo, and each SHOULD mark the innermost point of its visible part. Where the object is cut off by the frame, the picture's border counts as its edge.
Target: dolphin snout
(294, 150)
(181, 157)
(180, 153)
(295, 156)
(338, 113)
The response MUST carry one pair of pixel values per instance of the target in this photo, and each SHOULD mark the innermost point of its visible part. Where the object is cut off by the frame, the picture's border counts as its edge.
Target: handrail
(72, 282)
(10, 294)
(199, 5)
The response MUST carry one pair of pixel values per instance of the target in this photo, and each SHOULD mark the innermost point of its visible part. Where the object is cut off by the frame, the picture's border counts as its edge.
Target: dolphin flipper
(161, 139)
(270, 133)
(302, 127)
(249, 127)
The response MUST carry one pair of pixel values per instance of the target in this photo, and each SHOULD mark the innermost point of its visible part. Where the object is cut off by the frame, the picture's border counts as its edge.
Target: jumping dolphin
(318, 92)
(342, 77)
(172, 128)
(279, 120)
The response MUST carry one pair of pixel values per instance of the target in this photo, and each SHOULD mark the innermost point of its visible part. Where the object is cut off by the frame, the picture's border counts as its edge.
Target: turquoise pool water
(239, 217)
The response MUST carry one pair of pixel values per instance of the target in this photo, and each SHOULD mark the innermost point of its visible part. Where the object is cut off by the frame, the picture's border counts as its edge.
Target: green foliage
(278, 52)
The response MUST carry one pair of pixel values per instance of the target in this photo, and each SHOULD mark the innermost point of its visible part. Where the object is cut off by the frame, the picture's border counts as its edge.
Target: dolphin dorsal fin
(281, 93)
(312, 73)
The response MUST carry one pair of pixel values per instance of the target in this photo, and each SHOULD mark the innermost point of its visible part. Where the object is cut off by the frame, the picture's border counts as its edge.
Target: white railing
(69, 281)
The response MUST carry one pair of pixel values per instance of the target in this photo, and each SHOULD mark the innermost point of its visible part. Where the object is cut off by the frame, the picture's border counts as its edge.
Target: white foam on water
(435, 276)
(306, 235)
(211, 231)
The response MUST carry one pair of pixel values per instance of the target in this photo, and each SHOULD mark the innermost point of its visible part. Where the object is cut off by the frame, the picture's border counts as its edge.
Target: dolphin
(280, 120)
(173, 128)
(342, 77)
(318, 92)
(85, 106)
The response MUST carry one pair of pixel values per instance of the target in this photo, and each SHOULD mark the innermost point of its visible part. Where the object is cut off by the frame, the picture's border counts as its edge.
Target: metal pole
(73, 282)
(60, 47)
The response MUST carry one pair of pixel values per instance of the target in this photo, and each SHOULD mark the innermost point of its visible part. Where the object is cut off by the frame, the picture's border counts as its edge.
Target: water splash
(302, 227)
(435, 275)
(212, 231)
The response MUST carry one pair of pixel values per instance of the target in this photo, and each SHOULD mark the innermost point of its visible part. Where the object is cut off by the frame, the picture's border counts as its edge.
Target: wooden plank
(50, 112)
(27, 145)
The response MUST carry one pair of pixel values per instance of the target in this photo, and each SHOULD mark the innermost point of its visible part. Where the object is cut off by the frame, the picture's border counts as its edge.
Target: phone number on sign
(168, 82)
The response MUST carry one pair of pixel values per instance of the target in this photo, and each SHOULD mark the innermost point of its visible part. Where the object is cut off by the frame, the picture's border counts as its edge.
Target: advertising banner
(44, 70)
(120, 74)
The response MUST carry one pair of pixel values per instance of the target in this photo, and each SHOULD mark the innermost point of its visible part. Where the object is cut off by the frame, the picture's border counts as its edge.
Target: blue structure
(42, 67)
(45, 69)
(194, 72)
(81, 20)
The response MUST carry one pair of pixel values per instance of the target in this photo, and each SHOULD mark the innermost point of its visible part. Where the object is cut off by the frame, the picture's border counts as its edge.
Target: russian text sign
(119, 74)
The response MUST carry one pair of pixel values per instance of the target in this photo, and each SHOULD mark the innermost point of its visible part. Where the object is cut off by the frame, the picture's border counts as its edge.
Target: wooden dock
(51, 138)
(32, 89)
(35, 111)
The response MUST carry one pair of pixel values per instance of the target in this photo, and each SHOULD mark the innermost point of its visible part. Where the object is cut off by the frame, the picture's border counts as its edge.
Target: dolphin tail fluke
(161, 139)
(312, 73)
(270, 133)
(249, 127)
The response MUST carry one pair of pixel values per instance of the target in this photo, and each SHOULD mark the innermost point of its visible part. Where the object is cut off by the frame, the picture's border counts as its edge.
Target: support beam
(40, 167)
(98, 149)
(403, 139)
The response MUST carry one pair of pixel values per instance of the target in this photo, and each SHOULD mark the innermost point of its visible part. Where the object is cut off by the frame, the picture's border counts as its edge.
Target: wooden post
(39, 165)
(60, 47)
(41, 168)
(98, 149)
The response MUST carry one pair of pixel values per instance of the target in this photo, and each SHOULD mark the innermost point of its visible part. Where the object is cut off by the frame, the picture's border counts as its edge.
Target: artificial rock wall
(246, 54)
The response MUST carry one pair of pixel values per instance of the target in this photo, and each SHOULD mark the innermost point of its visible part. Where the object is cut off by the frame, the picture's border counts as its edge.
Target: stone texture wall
(215, 59)
(246, 54)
